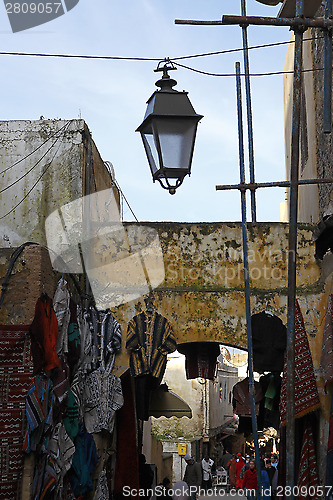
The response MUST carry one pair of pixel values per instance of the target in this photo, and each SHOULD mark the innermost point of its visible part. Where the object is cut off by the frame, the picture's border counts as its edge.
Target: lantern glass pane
(176, 137)
(150, 147)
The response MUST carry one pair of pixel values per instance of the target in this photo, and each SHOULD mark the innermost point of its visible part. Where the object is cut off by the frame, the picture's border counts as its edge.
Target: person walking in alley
(246, 466)
(250, 483)
(239, 465)
(192, 476)
(231, 466)
(207, 464)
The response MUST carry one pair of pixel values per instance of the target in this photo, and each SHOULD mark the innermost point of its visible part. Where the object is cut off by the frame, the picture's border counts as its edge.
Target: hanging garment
(149, 338)
(39, 412)
(74, 339)
(269, 336)
(60, 380)
(83, 463)
(100, 339)
(323, 236)
(200, 359)
(16, 371)
(102, 490)
(45, 477)
(102, 397)
(106, 337)
(61, 449)
(127, 454)
(71, 417)
(269, 415)
(144, 387)
(44, 335)
(306, 392)
(326, 360)
(61, 300)
(241, 397)
(307, 473)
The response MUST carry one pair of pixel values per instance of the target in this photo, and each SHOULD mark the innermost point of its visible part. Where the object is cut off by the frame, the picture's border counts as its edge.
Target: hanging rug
(306, 392)
(15, 374)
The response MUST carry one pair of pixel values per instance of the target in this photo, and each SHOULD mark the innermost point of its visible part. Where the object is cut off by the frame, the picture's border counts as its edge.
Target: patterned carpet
(306, 392)
(15, 375)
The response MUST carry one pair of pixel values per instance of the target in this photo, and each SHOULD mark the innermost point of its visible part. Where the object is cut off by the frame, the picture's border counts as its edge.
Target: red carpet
(307, 474)
(306, 392)
(15, 375)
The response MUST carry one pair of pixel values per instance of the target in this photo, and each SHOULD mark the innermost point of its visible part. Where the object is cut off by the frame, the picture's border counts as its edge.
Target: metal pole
(328, 71)
(285, 184)
(261, 21)
(249, 113)
(271, 21)
(246, 276)
(293, 211)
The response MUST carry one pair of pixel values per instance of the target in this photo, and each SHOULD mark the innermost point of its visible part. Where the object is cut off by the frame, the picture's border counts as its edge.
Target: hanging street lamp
(168, 131)
(270, 2)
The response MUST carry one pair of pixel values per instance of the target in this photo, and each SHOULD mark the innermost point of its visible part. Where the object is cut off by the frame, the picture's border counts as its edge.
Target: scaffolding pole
(249, 113)
(298, 24)
(246, 277)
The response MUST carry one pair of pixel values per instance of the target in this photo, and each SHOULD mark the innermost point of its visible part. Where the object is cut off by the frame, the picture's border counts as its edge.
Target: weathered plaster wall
(324, 141)
(203, 291)
(314, 202)
(63, 168)
(308, 205)
(220, 397)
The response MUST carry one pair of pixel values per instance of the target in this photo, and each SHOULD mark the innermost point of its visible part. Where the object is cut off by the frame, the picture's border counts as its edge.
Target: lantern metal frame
(168, 106)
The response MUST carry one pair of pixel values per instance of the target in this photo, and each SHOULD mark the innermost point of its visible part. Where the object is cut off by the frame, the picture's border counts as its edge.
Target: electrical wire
(28, 171)
(271, 73)
(40, 146)
(230, 51)
(127, 203)
(109, 168)
(80, 56)
(34, 185)
(122, 58)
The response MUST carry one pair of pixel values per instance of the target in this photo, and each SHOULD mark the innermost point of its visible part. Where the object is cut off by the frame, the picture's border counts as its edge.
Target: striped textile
(307, 473)
(100, 339)
(15, 374)
(306, 392)
(39, 411)
(149, 338)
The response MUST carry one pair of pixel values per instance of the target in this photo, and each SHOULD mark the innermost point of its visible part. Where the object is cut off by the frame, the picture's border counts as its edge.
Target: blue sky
(111, 95)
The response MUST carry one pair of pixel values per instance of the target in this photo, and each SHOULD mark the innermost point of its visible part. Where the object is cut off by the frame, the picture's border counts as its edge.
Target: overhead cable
(271, 73)
(40, 146)
(30, 169)
(123, 58)
(34, 185)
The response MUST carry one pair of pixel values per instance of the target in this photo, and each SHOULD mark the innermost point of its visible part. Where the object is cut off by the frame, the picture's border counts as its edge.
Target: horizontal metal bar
(275, 21)
(256, 185)
(263, 21)
(200, 23)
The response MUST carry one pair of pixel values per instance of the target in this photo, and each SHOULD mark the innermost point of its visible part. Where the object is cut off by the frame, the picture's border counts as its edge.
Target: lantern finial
(166, 83)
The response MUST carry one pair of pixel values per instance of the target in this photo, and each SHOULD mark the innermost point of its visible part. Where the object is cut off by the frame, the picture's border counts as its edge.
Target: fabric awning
(167, 404)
